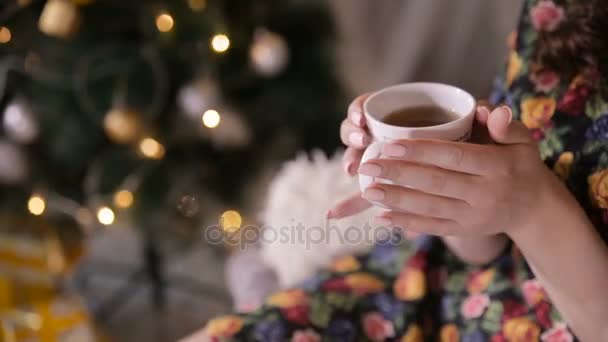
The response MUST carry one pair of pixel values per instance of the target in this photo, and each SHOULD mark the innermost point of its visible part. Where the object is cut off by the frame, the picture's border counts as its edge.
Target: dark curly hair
(580, 42)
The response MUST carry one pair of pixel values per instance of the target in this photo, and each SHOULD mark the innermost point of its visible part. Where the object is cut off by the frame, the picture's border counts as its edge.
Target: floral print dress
(419, 291)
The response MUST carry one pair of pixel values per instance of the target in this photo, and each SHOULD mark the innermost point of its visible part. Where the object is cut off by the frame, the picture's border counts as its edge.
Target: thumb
(504, 130)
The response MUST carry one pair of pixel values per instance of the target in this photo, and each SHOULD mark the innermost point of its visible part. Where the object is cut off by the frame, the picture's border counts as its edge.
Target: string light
(220, 43)
(231, 221)
(123, 199)
(151, 148)
(36, 205)
(164, 22)
(197, 5)
(105, 216)
(211, 118)
(5, 35)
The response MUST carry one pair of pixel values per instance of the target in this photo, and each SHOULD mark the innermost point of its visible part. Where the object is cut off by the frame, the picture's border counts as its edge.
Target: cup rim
(417, 84)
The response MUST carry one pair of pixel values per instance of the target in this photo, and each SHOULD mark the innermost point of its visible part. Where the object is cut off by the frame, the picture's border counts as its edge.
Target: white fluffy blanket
(298, 239)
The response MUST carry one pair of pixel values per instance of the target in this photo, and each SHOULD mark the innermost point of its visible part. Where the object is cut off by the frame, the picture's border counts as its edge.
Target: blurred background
(128, 127)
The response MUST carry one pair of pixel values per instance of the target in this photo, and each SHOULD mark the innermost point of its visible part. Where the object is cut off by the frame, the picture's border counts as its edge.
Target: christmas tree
(144, 110)
(110, 106)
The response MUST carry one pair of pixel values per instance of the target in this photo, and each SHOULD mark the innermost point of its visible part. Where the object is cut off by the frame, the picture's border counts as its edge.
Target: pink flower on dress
(537, 134)
(559, 333)
(543, 314)
(546, 16)
(307, 335)
(297, 314)
(574, 100)
(474, 305)
(533, 292)
(545, 80)
(376, 327)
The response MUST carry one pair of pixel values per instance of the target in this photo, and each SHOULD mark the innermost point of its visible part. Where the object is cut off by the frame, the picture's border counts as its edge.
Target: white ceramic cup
(388, 100)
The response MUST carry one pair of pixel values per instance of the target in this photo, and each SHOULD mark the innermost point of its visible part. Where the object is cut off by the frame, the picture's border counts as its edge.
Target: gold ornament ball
(123, 199)
(269, 53)
(122, 125)
(151, 148)
(59, 18)
(231, 221)
(5, 35)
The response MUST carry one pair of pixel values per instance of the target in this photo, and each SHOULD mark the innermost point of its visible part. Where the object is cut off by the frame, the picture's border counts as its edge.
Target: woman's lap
(409, 291)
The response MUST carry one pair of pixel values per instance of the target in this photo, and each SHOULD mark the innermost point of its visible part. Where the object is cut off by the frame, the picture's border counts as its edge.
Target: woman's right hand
(354, 135)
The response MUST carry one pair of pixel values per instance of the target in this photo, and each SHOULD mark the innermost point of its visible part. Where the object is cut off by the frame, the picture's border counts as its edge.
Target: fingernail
(383, 221)
(358, 138)
(370, 169)
(374, 194)
(358, 119)
(509, 113)
(394, 150)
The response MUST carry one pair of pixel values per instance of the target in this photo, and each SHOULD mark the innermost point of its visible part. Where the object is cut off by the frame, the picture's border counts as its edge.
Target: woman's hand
(354, 135)
(460, 189)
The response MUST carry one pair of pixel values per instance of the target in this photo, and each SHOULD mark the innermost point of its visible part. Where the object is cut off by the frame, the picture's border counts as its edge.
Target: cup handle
(373, 151)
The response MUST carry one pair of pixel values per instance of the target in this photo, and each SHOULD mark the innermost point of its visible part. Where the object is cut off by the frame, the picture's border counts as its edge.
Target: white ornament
(269, 53)
(232, 130)
(198, 96)
(19, 122)
(13, 164)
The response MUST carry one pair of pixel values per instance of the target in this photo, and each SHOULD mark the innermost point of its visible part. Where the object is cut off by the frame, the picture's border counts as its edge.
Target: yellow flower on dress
(513, 67)
(521, 329)
(345, 264)
(411, 285)
(413, 334)
(288, 299)
(364, 283)
(536, 112)
(598, 188)
(563, 164)
(479, 281)
(223, 327)
(449, 333)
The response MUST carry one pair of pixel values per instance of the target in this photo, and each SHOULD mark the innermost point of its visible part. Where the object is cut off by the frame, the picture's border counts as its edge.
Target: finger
(418, 224)
(351, 160)
(416, 202)
(348, 207)
(429, 179)
(354, 136)
(456, 156)
(483, 112)
(504, 130)
(355, 111)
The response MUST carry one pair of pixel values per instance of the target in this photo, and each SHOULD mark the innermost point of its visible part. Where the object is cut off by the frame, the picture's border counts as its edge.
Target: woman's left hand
(460, 189)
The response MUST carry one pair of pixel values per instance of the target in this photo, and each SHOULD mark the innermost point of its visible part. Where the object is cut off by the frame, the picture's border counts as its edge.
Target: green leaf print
(555, 315)
(602, 161)
(456, 282)
(341, 301)
(552, 144)
(492, 317)
(498, 286)
(490, 326)
(399, 322)
(320, 312)
(593, 146)
(470, 326)
(596, 106)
